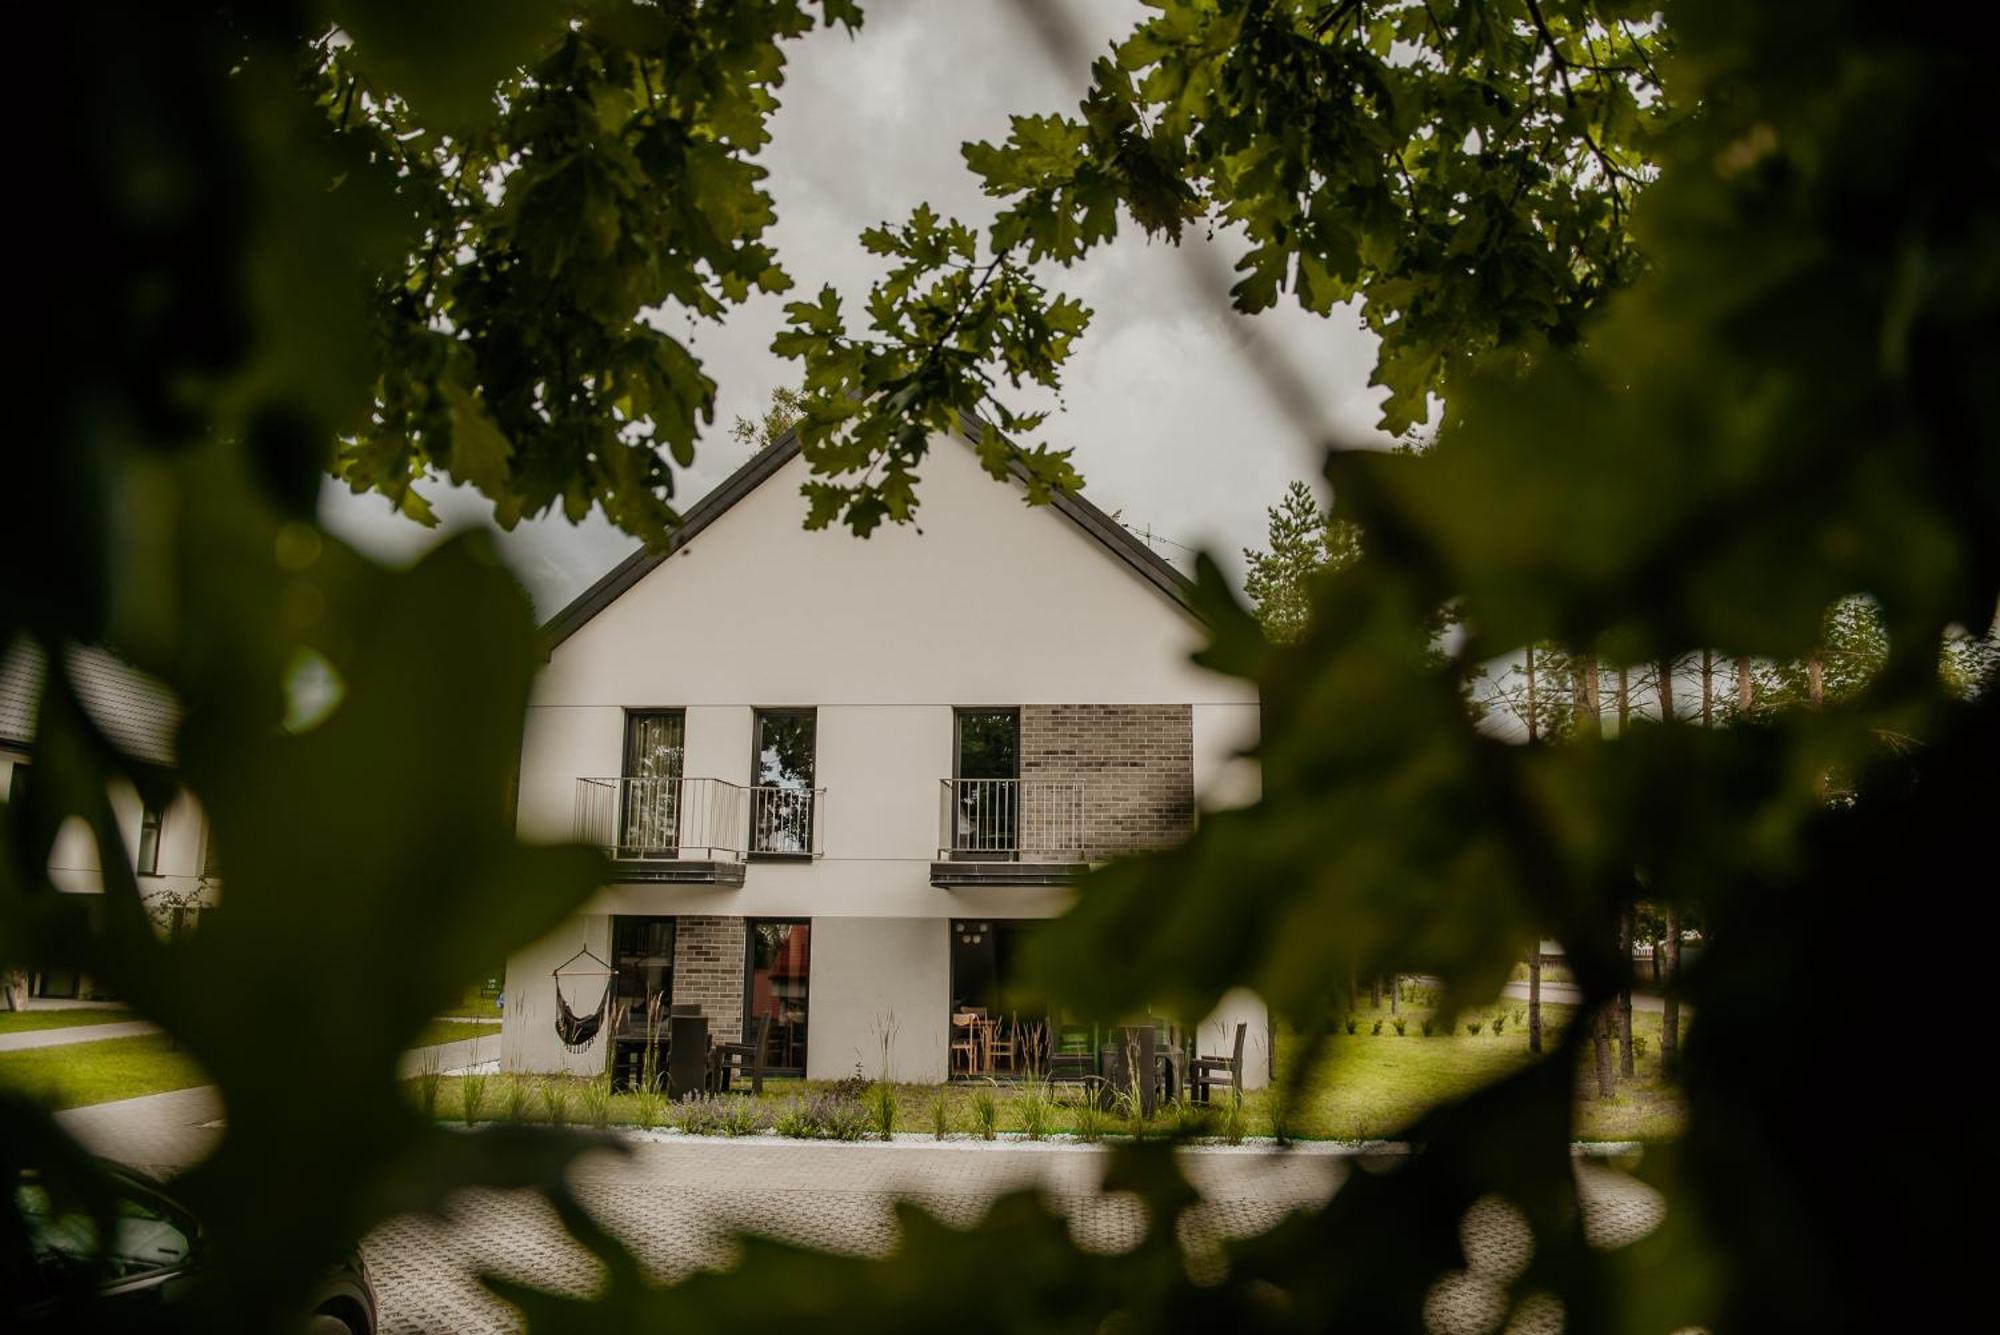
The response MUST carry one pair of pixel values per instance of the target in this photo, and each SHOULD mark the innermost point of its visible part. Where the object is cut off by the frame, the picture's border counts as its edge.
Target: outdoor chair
(1208, 1073)
(965, 1041)
(743, 1059)
(998, 1046)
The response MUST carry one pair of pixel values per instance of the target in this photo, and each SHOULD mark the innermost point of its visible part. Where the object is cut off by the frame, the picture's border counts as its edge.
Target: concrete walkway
(1562, 994)
(75, 1033)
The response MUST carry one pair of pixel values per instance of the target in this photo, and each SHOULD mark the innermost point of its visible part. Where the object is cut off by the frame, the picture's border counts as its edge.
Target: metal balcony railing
(1011, 819)
(785, 821)
(644, 820)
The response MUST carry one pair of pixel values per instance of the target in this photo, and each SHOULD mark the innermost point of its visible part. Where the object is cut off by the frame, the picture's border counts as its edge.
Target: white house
(840, 779)
(168, 844)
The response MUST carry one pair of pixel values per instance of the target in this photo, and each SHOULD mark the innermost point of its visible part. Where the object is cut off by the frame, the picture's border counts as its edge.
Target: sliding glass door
(986, 784)
(777, 986)
(650, 797)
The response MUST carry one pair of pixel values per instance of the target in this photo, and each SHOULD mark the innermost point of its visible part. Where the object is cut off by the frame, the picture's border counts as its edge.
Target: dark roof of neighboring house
(1148, 564)
(136, 713)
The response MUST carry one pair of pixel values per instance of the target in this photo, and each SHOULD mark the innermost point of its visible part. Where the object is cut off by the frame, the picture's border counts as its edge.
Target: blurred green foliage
(1698, 414)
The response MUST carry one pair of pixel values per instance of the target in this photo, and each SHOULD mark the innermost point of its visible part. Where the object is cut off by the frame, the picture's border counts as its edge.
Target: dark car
(154, 1253)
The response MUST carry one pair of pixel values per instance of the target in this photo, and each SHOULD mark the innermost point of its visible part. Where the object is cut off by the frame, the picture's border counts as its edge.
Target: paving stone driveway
(677, 1202)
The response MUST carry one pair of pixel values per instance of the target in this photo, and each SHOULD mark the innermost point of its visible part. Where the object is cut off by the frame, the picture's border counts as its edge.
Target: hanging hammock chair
(578, 1032)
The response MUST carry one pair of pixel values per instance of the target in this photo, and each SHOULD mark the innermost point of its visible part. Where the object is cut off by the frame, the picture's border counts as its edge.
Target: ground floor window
(777, 984)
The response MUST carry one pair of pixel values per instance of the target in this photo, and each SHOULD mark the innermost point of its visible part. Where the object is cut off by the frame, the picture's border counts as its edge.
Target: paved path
(75, 1033)
(1562, 994)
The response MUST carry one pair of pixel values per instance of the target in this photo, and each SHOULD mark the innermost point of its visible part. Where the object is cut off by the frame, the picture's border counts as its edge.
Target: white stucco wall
(873, 977)
(988, 603)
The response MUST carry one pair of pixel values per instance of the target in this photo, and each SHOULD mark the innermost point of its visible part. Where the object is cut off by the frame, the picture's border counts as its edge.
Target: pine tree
(1304, 541)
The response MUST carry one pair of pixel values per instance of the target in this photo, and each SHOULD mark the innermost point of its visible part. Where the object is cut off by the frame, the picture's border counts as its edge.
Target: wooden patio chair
(997, 1046)
(965, 1040)
(744, 1059)
(1206, 1073)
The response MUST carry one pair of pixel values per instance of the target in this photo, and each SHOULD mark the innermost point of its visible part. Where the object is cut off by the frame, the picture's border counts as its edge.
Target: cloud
(1171, 422)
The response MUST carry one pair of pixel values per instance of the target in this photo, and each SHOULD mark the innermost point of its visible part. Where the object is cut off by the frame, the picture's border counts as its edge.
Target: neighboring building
(840, 779)
(168, 845)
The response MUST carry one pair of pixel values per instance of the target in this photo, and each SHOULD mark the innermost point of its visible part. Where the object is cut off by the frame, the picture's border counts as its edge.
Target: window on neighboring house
(781, 802)
(651, 788)
(147, 860)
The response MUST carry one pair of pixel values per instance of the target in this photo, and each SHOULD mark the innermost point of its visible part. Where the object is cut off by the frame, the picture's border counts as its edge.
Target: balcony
(1009, 832)
(694, 831)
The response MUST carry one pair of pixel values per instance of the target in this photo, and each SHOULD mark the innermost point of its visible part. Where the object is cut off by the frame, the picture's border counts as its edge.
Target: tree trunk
(1395, 991)
(1746, 699)
(1600, 1045)
(1815, 679)
(1375, 993)
(1353, 990)
(1535, 999)
(1664, 688)
(1624, 699)
(1531, 692)
(1589, 706)
(1670, 1006)
(1625, 992)
(1707, 688)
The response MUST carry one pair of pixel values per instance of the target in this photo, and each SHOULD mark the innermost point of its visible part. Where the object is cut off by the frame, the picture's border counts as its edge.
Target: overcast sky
(1170, 421)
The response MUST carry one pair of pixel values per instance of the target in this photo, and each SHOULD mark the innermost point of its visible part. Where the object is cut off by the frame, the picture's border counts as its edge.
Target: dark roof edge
(1120, 541)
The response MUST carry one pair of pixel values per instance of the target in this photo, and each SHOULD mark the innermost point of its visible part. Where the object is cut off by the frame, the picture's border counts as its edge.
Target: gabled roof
(136, 713)
(1148, 564)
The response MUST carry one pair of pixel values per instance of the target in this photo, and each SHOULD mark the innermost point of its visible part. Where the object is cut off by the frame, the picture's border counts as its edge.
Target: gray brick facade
(1132, 771)
(708, 971)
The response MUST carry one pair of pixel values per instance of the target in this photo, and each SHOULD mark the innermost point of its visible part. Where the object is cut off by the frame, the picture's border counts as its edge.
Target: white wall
(874, 976)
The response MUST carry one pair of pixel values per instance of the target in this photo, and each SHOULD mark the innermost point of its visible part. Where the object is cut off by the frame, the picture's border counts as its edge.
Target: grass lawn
(76, 1074)
(474, 1005)
(453, 1031)
(21, 1022)
(1372, 1088)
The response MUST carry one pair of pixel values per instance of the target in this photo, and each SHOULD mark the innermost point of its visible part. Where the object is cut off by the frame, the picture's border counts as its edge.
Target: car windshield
(143, 1239)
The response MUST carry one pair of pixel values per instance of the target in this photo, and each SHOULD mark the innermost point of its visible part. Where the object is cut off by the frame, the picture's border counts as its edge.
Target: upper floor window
(147, 860)
(781, 805)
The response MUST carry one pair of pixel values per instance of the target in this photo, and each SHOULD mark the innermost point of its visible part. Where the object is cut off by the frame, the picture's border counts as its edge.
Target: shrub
(741, 1115)
(1498, 1021)
(1351, 1024)
(647, 1105)
(697, 1115)
(1517, 1016)
(428, 1081)
(851, 1087)
(555, 1100)
(1032, 1106)
(824, 1116)
(1638, 1045)
(985, 1111)
(1472, 1026)
(1428, 1024)
(1090, 1117)
(596, 1100)
(1189, 1118)
(516, 1098)
(1402, 1024)
(1377, 1029)
(940, 1114)
(882, 1110)
(1235, 1122)
(472, 1096)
